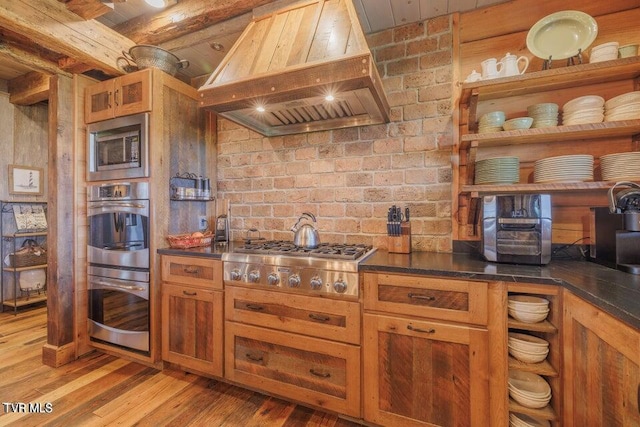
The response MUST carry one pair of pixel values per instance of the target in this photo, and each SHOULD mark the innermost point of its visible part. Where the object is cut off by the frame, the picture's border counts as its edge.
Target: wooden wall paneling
(498, 367)
(520, 15)
(60, 347)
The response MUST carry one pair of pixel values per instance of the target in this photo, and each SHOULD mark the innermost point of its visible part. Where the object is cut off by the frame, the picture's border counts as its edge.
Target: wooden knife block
(401, 244)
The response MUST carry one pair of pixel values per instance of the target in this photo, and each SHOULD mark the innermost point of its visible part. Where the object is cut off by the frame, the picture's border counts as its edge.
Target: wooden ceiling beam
(60, 30)
(187, 16)
(88, 9)
(29, 88)
(31, 61)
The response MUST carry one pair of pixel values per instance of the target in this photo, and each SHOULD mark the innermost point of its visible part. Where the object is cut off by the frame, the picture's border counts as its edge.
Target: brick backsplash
(349, 177)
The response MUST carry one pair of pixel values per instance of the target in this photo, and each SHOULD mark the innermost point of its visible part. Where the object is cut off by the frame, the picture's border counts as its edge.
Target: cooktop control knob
(254, 276)
(340, 286)
(273, 279)
(294, 281)
(235, 274)
(316, 283)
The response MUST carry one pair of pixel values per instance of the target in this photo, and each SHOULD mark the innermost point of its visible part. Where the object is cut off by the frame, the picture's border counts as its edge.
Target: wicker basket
(27, 258)
(184, 241)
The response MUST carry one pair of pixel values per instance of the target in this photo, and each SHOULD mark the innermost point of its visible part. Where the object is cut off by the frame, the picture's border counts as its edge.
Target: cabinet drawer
(320, 373)
(192, 271)
(441, 298)
(312, 316)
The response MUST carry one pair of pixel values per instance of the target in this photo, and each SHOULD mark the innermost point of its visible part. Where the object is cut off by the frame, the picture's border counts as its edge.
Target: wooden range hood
(288, 62)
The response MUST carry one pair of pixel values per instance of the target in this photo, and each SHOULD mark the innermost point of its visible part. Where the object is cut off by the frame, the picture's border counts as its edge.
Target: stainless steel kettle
(306, 234)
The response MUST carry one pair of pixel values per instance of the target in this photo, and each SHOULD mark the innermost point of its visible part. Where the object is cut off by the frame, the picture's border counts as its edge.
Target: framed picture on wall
(26, 180)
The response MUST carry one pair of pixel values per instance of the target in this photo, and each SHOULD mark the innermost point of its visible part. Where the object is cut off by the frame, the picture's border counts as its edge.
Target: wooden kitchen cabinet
(192, 314)
(601, 367)
(120, 96)
(420, 367)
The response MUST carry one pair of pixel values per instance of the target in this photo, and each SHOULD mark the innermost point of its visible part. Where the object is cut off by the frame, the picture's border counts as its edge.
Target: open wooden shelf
(544, 326)
(542, 368)
(553, 79)
(22, 301)
(478, 190)
(552, 134)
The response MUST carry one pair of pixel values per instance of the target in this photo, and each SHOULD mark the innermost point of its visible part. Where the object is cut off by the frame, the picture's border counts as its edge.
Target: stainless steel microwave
(118, 148)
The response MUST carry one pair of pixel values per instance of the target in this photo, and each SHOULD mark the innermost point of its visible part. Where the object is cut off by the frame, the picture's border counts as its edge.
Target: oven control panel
(301, 279)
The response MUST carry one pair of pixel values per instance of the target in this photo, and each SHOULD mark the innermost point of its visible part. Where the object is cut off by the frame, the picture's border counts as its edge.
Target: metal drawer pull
(191, 270)
(421, 296)
(319, 374)
(425, 331)
(254, 358)
(189, 294)
(318, 317)
(254, 307)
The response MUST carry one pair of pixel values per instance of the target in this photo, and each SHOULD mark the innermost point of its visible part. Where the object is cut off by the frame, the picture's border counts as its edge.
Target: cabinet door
(317, 372)
(601, 362)
(419, 373)
(99, 101)
(192, 328)
(133, 93)
(192, 271)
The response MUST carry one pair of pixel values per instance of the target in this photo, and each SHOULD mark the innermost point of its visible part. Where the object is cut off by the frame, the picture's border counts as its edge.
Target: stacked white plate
(522, 420)
(544, 115)
(585, 109)
(529, 389)
(497, 170)
(623, 107)
(491, 122)
(621, 166)
(527, 348)
(528, 308)
(571, 168)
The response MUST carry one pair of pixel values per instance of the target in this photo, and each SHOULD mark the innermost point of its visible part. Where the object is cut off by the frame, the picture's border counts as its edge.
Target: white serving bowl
(518, 123)
(527, 342)
(529, 384)
(625, 98)
(528, 300)
(527, 317)
(604, 52)
(528, 401)
(528, 357)
(583, 102)
(522, 420)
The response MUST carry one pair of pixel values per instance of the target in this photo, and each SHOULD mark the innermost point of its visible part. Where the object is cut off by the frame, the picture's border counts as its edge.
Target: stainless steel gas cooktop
(281, 265)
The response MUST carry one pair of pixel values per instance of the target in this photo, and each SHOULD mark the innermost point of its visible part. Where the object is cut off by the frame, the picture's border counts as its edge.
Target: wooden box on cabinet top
(440, 298)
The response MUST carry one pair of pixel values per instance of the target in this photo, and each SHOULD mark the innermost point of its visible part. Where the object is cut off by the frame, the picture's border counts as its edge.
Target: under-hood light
(260, 109)
(329, 98)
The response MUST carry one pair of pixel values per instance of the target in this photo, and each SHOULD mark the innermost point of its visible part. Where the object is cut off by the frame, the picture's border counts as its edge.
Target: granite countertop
(613, 291)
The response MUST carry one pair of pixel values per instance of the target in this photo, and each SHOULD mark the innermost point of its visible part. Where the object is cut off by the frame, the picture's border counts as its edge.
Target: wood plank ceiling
(76, 36)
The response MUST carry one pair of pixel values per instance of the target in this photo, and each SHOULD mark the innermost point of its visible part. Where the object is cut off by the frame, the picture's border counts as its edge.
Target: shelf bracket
(473, 107)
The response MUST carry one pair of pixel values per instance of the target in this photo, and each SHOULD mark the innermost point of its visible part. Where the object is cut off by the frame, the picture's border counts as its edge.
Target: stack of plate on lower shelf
(522, 420)
(529, 389)
(491, 122)
(585, 109)
(497, 170)
(571, 168)
(544, 115)
(528, 308)
(527, 348)
(623, 107)
(621, 166)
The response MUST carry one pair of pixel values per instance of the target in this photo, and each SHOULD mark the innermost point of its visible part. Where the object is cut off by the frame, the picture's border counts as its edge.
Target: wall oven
(118, 264)
(118, 148)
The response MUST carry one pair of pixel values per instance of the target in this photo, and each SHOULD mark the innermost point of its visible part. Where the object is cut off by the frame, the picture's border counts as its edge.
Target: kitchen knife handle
(424, 331)
(421, 296)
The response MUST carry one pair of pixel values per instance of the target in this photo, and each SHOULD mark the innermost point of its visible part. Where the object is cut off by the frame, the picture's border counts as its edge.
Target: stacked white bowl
(584, 109)
(544, 115)
(491, 122)
(623, 107)
(528, 308)
(518, 123)
(522, 420)
(620, 166)
(527, 348)
(604, 52)
(529, 389)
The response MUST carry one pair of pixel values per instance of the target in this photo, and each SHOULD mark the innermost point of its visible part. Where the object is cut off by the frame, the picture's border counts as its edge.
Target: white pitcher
(491, 68)
(510, 65)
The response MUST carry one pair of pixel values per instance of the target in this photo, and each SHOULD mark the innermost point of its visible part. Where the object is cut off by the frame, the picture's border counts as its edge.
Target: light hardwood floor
(103, 390)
